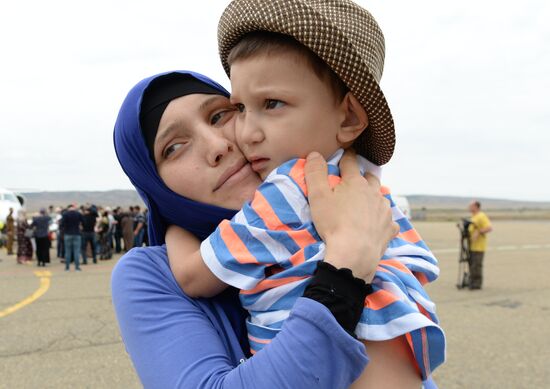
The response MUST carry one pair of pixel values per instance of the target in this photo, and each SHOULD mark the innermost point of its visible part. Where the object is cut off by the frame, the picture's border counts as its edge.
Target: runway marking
(501, 248)
(43, 288)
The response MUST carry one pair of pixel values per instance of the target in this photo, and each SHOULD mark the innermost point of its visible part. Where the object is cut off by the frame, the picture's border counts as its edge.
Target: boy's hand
(353, 218)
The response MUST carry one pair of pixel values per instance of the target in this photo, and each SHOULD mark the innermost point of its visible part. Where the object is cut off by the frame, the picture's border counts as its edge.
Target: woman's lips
(234, 174)
(259, 164)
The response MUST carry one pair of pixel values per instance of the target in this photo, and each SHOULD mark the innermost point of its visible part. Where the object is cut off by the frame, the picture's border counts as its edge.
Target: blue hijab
(165, 206)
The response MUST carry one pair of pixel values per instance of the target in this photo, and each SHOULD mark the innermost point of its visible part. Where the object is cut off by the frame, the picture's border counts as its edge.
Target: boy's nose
(248, 131)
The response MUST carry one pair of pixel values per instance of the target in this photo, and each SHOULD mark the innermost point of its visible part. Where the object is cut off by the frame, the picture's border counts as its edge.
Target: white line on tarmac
(500, 248)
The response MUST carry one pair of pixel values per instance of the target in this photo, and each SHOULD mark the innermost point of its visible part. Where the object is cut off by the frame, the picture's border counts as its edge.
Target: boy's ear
(355, 120)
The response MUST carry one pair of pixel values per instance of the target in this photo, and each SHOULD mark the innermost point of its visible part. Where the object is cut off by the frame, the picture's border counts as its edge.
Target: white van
(403, 204)
(9, 199)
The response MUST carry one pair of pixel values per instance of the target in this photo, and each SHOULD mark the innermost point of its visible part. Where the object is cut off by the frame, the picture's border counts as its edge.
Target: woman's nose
(217, 147)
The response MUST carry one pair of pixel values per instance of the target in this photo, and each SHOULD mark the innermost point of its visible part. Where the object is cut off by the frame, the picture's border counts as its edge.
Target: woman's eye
(217, 117)
(170, 149)
(272, 104)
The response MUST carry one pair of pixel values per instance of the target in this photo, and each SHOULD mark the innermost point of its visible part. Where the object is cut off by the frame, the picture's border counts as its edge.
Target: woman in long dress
(41, 226)
(24, 244)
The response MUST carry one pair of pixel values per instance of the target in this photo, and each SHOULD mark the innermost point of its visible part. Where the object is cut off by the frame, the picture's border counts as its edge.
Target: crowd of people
(78, 232)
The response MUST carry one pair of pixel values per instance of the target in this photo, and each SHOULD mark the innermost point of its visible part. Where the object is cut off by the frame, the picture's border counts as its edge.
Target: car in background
(9, 199)
(403, 204)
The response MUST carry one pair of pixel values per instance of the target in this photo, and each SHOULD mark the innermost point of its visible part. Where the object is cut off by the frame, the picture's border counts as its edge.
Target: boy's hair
(267, 43)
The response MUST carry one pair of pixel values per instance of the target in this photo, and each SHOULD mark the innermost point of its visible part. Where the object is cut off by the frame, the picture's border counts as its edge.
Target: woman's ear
(355, 120)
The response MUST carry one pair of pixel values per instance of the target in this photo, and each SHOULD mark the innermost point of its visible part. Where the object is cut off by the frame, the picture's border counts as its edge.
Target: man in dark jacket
(71, 222)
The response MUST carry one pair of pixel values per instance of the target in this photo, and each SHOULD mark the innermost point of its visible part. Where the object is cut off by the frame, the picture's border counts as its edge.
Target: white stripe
(267, 318)
(271, 296)
(394, 289)
(293, 196)
(419, 262)
(396, 213)
(427, 304)
(240, 218)
(230, 277)
(277, 249)
(408, 250)
(394, 328)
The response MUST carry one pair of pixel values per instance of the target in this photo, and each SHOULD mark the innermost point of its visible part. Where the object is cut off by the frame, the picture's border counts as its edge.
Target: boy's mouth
(258, 163)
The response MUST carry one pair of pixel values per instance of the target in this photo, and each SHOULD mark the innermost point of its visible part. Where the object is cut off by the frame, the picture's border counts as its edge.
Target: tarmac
(58, 329)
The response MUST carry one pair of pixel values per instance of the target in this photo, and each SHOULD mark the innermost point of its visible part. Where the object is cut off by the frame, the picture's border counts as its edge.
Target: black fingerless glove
(339, 291)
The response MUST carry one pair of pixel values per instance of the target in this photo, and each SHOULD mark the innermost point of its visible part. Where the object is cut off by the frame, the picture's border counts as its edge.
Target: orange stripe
(264, 210)
(384, 190)
(410, 342)
(270, 284)
(424, 336)
(380, 299)
(396, 264)
(297, 258)
(410, 236)
(422, 278)
(333, 181)
(302, 238)
(258, 340)
(298, 175)
(235, 245)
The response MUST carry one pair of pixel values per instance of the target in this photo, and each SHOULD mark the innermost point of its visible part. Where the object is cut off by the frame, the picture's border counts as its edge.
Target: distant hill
(455, 202)
(125, 198)
(112, 198)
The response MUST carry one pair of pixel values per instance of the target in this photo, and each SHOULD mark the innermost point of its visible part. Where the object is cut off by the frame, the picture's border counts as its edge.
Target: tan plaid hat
(342, 34)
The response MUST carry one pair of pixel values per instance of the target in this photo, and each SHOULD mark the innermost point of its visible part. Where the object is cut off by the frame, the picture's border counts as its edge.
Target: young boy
(293, 101)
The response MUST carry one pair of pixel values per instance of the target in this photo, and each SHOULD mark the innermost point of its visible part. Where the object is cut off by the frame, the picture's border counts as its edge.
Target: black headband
(158, 95)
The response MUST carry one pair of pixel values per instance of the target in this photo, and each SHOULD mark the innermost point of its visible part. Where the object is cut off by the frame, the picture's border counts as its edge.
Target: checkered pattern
(342, 34)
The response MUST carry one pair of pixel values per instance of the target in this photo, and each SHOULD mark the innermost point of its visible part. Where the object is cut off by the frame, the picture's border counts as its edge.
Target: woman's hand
(353, 219)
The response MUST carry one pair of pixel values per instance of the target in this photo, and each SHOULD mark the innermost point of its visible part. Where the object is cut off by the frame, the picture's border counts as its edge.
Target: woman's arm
(355, 221)
(178, 342)
(190, 271)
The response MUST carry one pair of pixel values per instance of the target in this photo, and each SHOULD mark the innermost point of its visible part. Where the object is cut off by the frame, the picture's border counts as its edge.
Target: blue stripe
(229, 262)
(280, 205)
(252, 218)
(417, 347)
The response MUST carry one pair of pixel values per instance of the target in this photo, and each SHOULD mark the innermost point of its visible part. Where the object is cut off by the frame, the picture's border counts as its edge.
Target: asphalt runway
(58, 330)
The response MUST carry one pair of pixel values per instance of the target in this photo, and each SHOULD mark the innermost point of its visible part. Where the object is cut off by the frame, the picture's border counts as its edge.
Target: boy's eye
(240, 107)
(272, 104)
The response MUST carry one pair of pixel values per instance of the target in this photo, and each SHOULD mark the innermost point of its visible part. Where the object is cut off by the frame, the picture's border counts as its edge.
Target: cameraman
(478, 230)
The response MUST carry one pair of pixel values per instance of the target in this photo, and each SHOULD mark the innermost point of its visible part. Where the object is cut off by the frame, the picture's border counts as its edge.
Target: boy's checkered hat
(342, 34)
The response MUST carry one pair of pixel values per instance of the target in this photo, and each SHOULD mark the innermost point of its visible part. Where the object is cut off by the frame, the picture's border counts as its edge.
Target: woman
(41, 225)
(103, 231)
(24, 244)
(176, 341)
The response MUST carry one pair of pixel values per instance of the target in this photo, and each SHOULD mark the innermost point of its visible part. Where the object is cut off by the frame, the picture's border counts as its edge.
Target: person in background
(10, 231)
(41, 225)
(104, 233)
(24, 244)
(139, 224)
(127, 228)
(59, 234)
(71, 222)
(88, 233)
(478, 230)
(118, 229)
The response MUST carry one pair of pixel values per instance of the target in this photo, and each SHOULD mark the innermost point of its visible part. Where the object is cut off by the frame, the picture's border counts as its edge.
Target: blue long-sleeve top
(175, 341)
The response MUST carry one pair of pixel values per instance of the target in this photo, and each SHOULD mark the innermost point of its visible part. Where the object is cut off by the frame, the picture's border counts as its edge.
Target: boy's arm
(186, 263)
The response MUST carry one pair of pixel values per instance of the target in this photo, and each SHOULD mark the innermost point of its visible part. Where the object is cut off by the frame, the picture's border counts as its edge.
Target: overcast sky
(468, 83)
